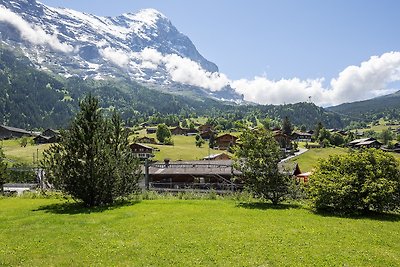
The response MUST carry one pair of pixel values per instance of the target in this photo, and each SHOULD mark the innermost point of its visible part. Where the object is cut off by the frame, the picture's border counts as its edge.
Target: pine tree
(93, 162)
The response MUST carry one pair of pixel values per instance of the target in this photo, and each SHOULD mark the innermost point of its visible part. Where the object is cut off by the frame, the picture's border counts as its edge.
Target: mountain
(32, 98)
(372, 109)
(144, 47)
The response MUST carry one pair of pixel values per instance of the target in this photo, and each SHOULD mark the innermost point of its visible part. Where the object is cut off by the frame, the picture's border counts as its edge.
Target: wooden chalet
(50, 132)
(217, 175)
(225, 141)
(205, 128)
(146, 140)
(179, 131)
(220, 156)
(7, 132)
(301, 137)
(207, 134)
(41, 139)
(365, 143)
(142, 151)
(284, 141)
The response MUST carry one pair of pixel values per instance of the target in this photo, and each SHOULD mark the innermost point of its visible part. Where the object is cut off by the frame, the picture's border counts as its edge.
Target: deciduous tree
(258, 156)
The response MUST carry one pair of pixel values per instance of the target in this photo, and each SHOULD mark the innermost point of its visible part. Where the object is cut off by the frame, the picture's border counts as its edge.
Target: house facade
(147, 140)
(142, 151)
(301, 137)
(225, 141)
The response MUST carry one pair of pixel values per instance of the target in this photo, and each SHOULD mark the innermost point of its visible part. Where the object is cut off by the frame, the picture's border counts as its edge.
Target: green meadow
(176, 232)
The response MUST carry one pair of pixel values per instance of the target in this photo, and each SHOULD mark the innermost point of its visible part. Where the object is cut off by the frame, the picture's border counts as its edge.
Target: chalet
(47, 137)
(293, 170)
(142, 151)
(283, 140)
(207, 134)
(365, 143)
(357, 141)
(220, 156)
(50, 133)
(225, 141)
(179, 131)
(151, 130)
(41, 139)
(205, 128)
(7, 132)
(217, 175)
(301, 137)
(147, 140)
(369, 144)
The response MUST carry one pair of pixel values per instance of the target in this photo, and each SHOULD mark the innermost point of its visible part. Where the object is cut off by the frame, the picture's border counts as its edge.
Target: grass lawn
(36, 232)
(308, 160)
(15, 152)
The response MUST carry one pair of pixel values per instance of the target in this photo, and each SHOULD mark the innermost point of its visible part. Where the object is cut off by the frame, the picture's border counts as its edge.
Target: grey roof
(356, 141)
(365, 143)
(213, 156)
(201, 167)
(13, 129)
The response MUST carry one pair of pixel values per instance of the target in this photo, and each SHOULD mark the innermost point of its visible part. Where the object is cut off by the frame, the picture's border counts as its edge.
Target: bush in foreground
(360, 181)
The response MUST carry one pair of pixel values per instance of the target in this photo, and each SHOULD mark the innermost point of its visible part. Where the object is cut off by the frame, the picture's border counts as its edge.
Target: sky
(285, 51)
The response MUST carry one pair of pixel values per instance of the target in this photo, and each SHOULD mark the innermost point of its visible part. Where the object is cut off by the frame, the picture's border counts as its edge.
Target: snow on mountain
(144, 46)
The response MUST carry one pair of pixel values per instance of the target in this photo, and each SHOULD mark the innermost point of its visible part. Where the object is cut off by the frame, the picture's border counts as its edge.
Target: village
(208, 163)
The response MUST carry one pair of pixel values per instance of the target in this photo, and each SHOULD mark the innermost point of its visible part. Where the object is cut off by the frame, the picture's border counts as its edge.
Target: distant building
(207, 134)
(205, 128)
(284, 141)
(142, 151)
(225, 141)
(220, 156)
(301, 137)
(40, 139)
(365, 143)
(47, 137)
(7, 132)
(147, 140)
(50, 132)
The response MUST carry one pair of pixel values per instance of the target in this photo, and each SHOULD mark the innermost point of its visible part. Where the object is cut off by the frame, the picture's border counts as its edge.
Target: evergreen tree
(93, 162)
(257, 158)
(287, 127)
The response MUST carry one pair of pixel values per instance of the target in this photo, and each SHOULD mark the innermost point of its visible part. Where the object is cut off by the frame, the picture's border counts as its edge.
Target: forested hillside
(380, 107)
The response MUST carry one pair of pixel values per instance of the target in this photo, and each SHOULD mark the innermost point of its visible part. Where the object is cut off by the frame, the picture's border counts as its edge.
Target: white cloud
(33, 34)
(182, 70)
(354, 83)
(116, 56)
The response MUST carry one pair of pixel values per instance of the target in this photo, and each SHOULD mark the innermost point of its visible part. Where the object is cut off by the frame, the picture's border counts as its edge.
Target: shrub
(367, 180)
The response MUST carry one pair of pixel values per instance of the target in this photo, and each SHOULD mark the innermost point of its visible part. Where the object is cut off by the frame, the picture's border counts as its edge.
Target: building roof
(356, 141)
(142, 145)
(13, 129)
(221, 167)
(365, 143)
(227, 134)
(213, 156)
(301, 133)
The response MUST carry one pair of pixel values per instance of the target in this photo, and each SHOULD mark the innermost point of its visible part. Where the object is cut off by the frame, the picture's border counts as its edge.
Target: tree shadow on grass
(268, 206)
(72, 208)
(370, 215)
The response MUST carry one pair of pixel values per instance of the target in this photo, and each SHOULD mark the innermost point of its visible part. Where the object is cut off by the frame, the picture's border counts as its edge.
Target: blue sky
(311, 40)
